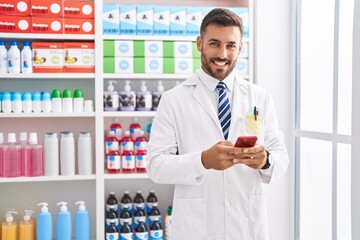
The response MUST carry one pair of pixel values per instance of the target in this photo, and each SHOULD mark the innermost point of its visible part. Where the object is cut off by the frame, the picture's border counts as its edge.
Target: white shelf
(127, 176)
(47, 179)
(49, 76)
(29, 36)
(46, 115)
(130, 114)
(149, 37)
(147, 76)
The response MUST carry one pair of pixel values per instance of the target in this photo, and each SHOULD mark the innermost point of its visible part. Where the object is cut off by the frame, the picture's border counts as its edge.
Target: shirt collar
(211, 82)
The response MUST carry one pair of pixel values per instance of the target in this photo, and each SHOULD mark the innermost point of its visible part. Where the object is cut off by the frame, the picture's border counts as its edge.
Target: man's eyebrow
(229, 42)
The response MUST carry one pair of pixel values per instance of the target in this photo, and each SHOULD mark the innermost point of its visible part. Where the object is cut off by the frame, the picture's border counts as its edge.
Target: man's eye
(214, 44)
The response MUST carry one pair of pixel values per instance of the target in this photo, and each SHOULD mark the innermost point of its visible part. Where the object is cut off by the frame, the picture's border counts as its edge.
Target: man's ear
(199, 43)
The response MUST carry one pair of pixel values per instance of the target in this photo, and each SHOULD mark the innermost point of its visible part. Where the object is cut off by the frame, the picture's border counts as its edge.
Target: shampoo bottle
(85, 159)
(82, 222)
(111, 97)
(44, 223)
(51, 154)
(156, 96)
(3, 58)
(27, 229)
(63, 223)
(143, 98)
(127, 98)
(9, 227)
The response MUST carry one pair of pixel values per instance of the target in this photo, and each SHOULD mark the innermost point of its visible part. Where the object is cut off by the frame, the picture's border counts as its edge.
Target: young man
(218, 187)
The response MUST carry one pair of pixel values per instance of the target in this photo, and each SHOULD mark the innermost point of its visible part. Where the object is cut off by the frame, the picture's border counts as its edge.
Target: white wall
(273, 68)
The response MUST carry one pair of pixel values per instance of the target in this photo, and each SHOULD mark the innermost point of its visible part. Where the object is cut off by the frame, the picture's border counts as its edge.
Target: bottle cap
(78, 93)
(51, 135)
(126, 192)
(26, 96)
(23, 137)
(13, 43)
(143, 87)
(36, 96)
(1, 138)
(127, 86)
(16, 96)
(28, 214)
(6, 96)
(9, 216)
(26, 44)
(44, 207)
(81, 204)
(110, 86)
(33, 138)
(84, 134)
(66, 134)
(63, 207)
(112, 193)
(45, 96)
(151, 191)
(56, 93)
(11, 138)
(67, 93)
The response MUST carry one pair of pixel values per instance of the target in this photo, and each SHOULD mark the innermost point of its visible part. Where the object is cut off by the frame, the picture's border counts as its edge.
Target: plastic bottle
(11, 157)
(156, 231)
(16, 102)
(46, 102)
(44, 223)
(156, 96)
(139, 215)
(111, 142)
(126, 142)
(37, 162)
(56, 101)
(154, 213)
(111, 217)
(112, 203)
(67, 102)
(27, 229)
(111, 97)
(125, 215)
(143, 98)
(127, 98)
(139, 200)
(26, 58)
(14, 58)
(26, 102)
(82, 222)
(51, 154)
(141, 232)
(25, 155)
(1, 94)
(126, 201)
(6, 102)
(78, 101)
(140, 141)
(126, 232)
(112, 232)
(140, 161)
(3, 58)
(36, 102)
(88, 106)
(135, 129)
(9, 227)
(67, 154)
(63, 222)
(113, 160)
(168, 223)
(116, 126)
(85, 159)
(2, 149)
(128, 160)
(151, 200)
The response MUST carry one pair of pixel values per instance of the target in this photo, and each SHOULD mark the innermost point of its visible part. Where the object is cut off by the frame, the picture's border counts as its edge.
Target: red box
(48, 57)
(79, 57)
(78, 26)
(45, 8)
(47, 25)
(15, 7)
(79, 9)
(15, 24)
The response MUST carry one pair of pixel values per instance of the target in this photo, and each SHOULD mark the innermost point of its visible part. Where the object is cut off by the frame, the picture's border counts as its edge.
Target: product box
(161, 20)
(183, 65)
(177, 21)
(111, 19)
(124, 65)
(193, 21)
(154, 65)
(182, 49)
(174, 49)
(242, 65)
(243, 13)
(244, 53)
(79, 57)
(124, 48)
(145, 20)
(79, 9)
(48, 57)
(79, 26)
(41, 8)
(15, 24)
(153, 48)
(128, 19)
(47, 25)
(15, 7)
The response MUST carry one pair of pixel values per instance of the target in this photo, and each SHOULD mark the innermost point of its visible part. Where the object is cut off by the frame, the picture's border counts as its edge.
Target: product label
(114, 145)
(143, 101)
(122, 220)
(113, 162)
(138, 219)
(152, 219)
(142, 205)
(126, 236)
(140, 145)
(128, 162)
(141, 236)
(156, 235)
(141, 161)
(150, 205)
(114, 206)
(126, 146)
(112, 236)
(128, 205)
(115, 221)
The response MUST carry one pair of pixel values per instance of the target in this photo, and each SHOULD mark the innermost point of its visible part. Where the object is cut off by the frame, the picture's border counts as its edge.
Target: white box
(182, 49)
(145, 20)
(111, 19)
(154, 65)
(183, 65)
(153, 48)
(177, 21)
(193, 21)
(124, 48)
(161, 20)
(124, 65)
(128, 19)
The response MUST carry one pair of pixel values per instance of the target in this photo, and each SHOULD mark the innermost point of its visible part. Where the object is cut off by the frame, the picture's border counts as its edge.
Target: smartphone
(246, 141)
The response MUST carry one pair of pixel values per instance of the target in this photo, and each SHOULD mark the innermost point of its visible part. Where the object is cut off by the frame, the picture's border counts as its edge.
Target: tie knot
(221, 86)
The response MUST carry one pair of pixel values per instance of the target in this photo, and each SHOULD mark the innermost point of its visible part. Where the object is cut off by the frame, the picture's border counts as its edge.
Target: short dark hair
(223, 17)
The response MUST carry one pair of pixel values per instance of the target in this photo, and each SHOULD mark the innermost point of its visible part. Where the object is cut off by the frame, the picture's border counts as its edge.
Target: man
(218, 187)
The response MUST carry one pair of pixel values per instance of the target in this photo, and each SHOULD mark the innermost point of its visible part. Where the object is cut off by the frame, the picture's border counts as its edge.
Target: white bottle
(78, 101)
(85, 161)
(26, 102)
(14, 58)
(3, 58)
(51, 154)
(36, 102)
(88, 106)
(67, 154)
(26, 59)
(16, 102)
(56, 101)
(67, 102)
(45, 102)
(143, 98)
(6, 102)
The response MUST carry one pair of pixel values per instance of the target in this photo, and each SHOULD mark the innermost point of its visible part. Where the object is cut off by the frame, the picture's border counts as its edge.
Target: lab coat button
(227, 204)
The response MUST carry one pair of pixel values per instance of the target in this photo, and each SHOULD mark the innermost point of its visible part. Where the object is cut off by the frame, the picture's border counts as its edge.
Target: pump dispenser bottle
(44, 223)
(127, 98)
(156, 96)
(9, 227)
(143, 98)
(111, 97)
(82, 222)
(63, 223)
(27, 229)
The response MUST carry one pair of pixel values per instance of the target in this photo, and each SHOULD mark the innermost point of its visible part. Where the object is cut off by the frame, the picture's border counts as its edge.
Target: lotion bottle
(111, 97)
(82, 222)
(9, 227)
(44, 223)
(63, 222)
(27, 230)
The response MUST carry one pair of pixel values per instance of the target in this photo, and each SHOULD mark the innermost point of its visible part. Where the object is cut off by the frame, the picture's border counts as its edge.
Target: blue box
(161, 20)
(193, 21)
(111, 19)
(128, 19)
(145, 20)
(178, 21)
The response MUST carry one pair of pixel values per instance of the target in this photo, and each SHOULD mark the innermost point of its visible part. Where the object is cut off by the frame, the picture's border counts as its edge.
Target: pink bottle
(126, 142)
(116, 126)
(140, 142)
(2, 147)
(23, 142)
(141, 161)
(111, 141)
(113, 160)
(135, 129)
(37, 163)
(25, 155)
(128, 161)
(11, 157)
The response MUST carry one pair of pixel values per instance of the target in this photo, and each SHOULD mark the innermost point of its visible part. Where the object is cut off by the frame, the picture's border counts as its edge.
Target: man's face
(220, 47)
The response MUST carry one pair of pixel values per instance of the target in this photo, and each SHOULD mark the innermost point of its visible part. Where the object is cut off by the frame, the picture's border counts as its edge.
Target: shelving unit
(25, 192)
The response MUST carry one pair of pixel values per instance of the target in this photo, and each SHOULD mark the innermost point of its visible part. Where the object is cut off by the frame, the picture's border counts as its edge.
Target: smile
(220, 63)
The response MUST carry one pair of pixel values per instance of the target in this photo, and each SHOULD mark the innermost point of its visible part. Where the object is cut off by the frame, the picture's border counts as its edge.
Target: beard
(218, 73)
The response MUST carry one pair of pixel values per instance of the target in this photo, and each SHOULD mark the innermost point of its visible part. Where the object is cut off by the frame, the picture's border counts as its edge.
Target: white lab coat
(212, 204)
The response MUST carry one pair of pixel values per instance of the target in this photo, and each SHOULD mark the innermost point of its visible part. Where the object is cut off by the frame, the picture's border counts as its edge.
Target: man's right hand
(219, 156)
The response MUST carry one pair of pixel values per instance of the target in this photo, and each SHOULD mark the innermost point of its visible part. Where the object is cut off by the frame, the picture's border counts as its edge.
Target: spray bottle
(111, 97)
(82, 222)
(127, 98)
(44, 223)
(63, 222)
(9, 227)
(27, 229)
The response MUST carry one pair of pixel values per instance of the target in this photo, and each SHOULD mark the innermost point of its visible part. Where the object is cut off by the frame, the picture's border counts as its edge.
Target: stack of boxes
(142, 56)
(48, 17)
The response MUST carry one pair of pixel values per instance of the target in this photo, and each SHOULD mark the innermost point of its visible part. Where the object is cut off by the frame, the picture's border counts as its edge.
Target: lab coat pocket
(258, 227)
(254, 126)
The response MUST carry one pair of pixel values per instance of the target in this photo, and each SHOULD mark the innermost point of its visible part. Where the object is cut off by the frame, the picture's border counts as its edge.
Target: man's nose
(222, 53)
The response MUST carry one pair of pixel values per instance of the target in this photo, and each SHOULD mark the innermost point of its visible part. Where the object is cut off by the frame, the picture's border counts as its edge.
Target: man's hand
(254, 157)
(219, 157)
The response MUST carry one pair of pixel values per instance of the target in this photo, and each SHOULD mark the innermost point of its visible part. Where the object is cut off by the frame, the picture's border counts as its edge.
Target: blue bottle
(44, 223)
(63, 223)
(82, 222)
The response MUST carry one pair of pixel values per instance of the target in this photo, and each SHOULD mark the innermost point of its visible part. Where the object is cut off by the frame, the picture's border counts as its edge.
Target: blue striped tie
(224, 112)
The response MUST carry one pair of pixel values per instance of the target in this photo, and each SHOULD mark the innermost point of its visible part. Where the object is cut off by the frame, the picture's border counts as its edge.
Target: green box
(169, 65)
(195, 51)
(139, 65)
(139, 48)
(109, 65)
(168, 49)
(109, 48)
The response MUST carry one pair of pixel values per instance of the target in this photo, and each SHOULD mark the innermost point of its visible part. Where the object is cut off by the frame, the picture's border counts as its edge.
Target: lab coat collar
(211, 82)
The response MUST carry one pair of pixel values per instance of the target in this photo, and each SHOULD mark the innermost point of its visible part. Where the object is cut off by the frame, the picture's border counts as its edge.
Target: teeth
(220, 63)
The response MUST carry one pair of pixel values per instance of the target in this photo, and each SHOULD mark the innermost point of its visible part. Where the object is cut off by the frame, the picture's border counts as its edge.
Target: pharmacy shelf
(29, 36)
(154, 38)
(147, 76)
(47, 115)
(48, 76)
(127, 176)
(130, 114)
(47, 178)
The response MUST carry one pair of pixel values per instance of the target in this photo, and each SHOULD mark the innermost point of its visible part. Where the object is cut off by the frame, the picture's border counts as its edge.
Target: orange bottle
(9, 227)
(27, 228)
